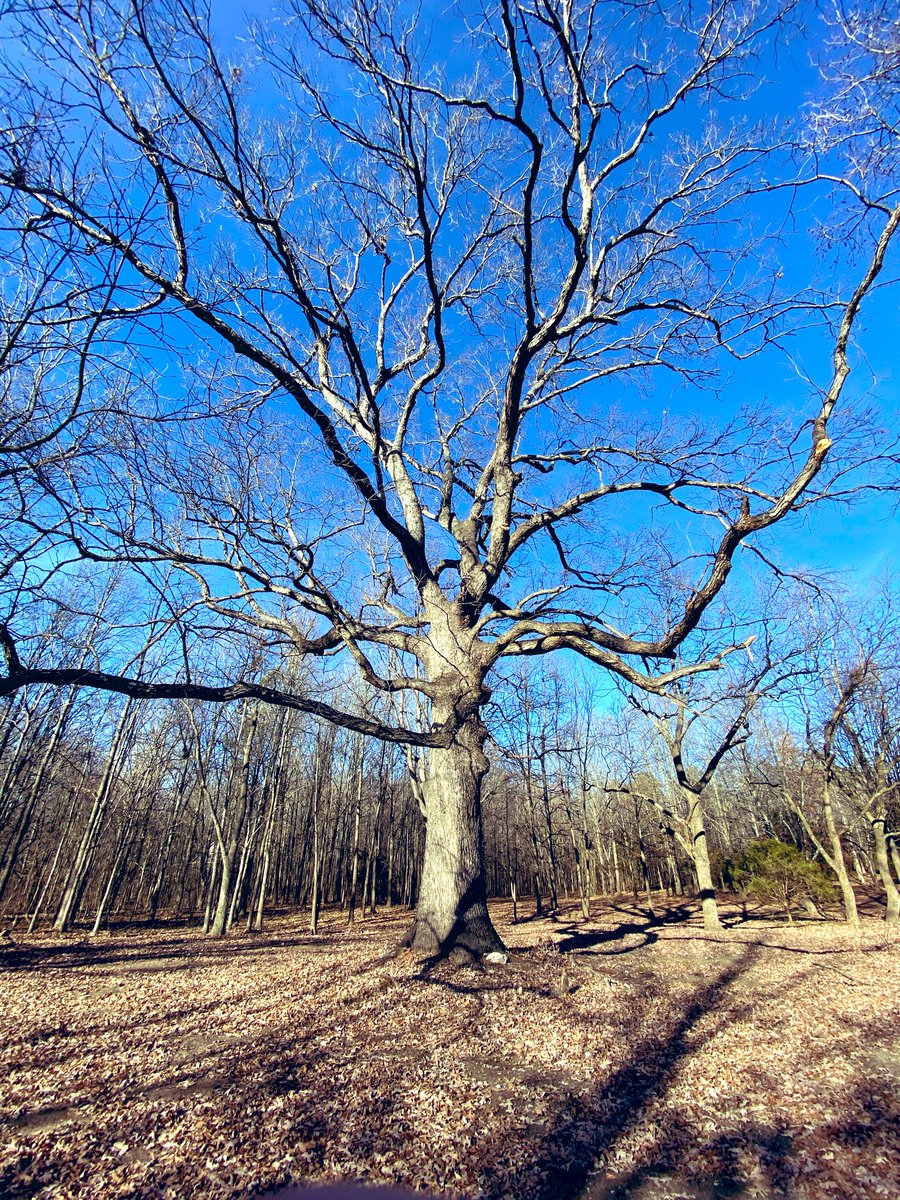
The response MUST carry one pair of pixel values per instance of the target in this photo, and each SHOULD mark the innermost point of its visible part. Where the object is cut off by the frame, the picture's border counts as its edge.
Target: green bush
(769, 870)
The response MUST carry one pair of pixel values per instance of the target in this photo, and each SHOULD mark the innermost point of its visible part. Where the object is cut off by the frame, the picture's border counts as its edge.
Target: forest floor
(626, 1057)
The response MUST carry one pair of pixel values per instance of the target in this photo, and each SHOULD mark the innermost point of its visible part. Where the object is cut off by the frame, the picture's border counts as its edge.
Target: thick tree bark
(452, 911)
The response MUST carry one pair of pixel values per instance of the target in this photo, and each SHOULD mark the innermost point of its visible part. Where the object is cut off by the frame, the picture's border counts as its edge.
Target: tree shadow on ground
(585, 941)
(577, 1157)
(584, 1127)
(778, 1159)
(167, 954)
(310, 1055)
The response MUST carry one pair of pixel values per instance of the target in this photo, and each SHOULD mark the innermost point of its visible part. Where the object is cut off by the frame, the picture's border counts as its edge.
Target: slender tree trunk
(213, 874)
(552, 877)
(73, 809)
(183, 880)
(84, 855)
(220, 912)
(228, 844)
(390, 853)
(257, 910)
(645, 874)
(255, 919)
(408, 890)
(370, 887)
(700, 854)
(895, 853)
(892, 915)
(109, 890)
(354, 865)
(34, 793)
(837, 860)
(834, 858)
(164, 857)
(240, 882)
(859, 869)
(17, 763)
(314, 906)
(581, 855)
(676, 875)
(373, 876)
(39, 904)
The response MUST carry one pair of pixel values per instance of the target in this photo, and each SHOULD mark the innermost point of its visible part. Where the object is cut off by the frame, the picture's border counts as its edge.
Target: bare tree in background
(852, 716)
(698, 726)
(405, 317)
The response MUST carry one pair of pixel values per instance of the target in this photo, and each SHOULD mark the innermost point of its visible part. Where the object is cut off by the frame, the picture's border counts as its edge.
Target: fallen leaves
(163, 1064)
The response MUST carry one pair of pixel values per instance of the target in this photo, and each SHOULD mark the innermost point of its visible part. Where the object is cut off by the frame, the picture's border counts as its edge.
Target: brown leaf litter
(630, 1056)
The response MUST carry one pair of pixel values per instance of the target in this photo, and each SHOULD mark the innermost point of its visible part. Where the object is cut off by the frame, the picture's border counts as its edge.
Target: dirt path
(629, 1058)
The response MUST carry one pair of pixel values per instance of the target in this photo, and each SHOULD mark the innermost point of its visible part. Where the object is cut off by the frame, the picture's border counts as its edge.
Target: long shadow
(171, 953)
(217, 1064)
(872, 1126)
(771, 1150)
(145, 1022)
(584, 1128)
(576, 1154)
(276, 1062)
(307, 1054)
(583, 941)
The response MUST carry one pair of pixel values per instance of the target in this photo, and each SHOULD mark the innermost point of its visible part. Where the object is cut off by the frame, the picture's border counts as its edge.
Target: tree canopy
(423, 345)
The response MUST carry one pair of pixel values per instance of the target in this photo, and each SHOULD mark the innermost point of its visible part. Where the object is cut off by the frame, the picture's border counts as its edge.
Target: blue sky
(860, 539)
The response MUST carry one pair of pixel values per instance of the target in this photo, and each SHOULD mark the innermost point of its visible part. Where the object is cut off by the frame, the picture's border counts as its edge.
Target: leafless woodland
(414, 428)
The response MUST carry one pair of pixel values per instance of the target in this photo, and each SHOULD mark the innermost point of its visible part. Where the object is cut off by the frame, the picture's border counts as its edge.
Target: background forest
(351, 361)
(118, 810)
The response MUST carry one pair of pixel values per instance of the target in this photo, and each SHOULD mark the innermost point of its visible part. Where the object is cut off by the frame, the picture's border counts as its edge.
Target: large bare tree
(382, 305)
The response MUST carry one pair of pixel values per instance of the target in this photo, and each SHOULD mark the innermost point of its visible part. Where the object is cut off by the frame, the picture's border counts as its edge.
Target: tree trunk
(676, 875)
(220, 913)
(228, 843)
(548, 821)
(884, 869)
(257, 910)
(376, 850)
(389, 903)
(837, 861)
(859, 869)
(452, 910)
(34, 794)
(213, 873)
(68, 908)
(164, 858)
(371, 882)
(109, 891)
(39, 904)
(895, 856)
(700, 854)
